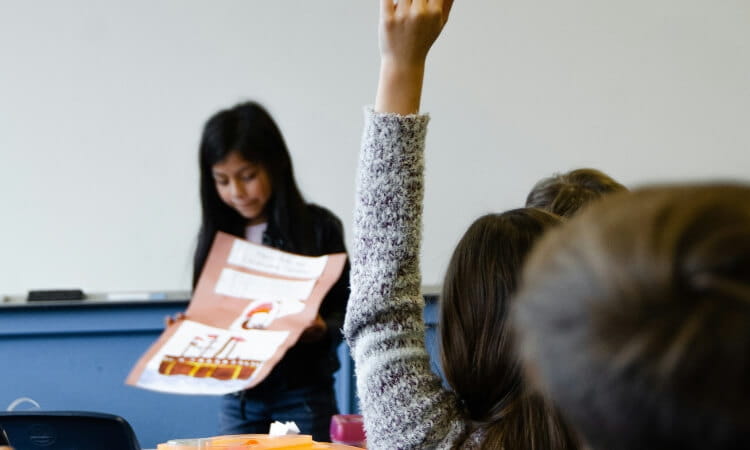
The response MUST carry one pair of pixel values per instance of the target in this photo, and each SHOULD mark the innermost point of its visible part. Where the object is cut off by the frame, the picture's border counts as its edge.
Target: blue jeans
(310, 408)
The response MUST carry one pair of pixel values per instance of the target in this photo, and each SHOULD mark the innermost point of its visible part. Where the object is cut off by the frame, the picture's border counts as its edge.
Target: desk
(76, 355)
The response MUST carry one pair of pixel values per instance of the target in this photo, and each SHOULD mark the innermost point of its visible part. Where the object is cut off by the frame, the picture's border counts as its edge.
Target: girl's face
(244, 186)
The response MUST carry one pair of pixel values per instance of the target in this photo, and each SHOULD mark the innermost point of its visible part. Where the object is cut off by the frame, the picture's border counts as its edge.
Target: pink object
(348, 429)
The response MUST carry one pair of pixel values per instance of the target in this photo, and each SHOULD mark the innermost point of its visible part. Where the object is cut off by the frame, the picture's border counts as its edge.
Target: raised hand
(408, 28)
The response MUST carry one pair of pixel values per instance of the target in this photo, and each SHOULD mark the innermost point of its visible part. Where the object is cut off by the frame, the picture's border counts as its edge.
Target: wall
(101, 105)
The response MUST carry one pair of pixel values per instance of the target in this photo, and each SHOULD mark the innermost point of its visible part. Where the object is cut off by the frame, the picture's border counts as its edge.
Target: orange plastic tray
(251, 442)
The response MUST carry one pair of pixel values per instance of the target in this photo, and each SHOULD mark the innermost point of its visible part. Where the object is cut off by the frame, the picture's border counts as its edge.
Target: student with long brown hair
(478, 351)
(403, 402)
(635, 319)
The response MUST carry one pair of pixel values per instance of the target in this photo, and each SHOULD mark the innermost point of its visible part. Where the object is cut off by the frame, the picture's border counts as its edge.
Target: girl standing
(248, 189)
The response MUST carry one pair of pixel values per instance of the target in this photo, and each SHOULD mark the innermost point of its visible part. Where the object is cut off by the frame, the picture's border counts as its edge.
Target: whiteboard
(102, 102)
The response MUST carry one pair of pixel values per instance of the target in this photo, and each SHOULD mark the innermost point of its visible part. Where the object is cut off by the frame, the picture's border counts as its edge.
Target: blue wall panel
(75, 356)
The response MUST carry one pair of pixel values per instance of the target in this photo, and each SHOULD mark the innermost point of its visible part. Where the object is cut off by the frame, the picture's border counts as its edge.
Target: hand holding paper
(315, 331)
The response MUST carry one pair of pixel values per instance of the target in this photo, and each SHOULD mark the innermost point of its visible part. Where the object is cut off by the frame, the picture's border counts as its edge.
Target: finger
(444, 5)
(386, 8)
(418, 5)
(402, 6)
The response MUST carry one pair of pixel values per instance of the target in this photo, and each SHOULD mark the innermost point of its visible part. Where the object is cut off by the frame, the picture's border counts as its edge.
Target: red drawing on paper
(260, 316)
(220, 365)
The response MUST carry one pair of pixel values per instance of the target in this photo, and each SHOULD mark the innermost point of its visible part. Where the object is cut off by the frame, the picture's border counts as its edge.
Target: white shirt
(254, 233)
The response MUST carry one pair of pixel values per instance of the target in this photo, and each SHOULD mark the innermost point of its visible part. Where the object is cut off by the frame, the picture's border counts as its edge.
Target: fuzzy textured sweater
(403, 402)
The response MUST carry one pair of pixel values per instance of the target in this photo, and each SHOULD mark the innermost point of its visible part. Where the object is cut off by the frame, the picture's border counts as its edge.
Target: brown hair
(635, 317)
(564, 194)
(478, 354)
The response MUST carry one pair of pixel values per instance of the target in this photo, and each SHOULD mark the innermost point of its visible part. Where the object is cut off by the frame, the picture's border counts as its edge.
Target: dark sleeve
(333, 308)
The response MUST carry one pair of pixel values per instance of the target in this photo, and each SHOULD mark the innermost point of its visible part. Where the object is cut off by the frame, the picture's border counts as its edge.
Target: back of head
(564, 194)
(478, 356)
(635, 317)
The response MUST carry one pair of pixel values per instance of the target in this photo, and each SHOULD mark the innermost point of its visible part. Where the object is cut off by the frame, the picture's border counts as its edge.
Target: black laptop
(66, 430)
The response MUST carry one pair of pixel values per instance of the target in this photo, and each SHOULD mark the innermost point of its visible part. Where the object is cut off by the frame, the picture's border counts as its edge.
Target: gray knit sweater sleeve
(402, 400)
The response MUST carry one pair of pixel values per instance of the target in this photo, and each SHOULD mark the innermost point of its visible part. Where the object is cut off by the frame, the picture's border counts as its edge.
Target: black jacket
(313, 363)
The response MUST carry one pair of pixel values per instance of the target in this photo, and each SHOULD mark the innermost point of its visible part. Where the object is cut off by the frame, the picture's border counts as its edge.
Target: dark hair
(564, 194)
(635, 316)
(249, 129)
(478, 353)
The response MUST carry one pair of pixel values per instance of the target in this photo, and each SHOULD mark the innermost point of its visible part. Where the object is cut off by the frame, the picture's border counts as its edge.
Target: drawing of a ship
(220, 365)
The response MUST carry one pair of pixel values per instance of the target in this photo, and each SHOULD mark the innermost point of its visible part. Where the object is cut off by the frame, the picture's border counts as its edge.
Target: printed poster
(251, 304)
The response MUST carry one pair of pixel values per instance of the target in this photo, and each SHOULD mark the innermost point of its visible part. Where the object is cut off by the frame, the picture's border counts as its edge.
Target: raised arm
(402, 400)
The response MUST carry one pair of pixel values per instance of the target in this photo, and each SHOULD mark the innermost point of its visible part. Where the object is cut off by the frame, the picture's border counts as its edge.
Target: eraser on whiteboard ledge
(55, 295)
